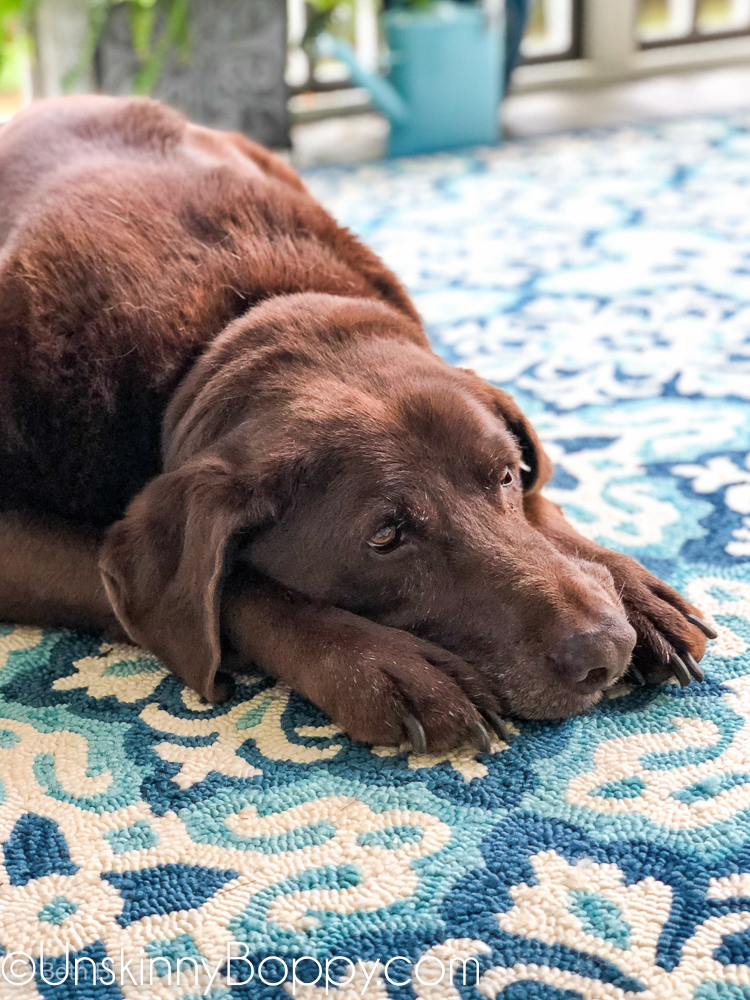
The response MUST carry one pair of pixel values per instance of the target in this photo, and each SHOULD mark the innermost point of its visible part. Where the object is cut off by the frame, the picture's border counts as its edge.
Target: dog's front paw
(671, 635)
(393, 688)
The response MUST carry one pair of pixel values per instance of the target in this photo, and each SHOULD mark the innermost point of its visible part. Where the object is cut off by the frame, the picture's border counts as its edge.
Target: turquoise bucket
(447, 67)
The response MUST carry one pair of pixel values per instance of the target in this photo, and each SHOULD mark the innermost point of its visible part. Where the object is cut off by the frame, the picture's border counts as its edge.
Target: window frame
(574, 51)
(611, 52)
(694, 36)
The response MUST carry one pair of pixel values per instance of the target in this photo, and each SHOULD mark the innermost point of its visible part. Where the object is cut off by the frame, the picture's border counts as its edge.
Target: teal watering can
(446, 78)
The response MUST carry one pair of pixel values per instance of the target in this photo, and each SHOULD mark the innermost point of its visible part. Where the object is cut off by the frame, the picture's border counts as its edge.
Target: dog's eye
(507, 478)
(385, 538)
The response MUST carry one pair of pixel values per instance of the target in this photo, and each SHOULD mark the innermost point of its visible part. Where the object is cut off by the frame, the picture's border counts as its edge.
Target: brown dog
(225, 401)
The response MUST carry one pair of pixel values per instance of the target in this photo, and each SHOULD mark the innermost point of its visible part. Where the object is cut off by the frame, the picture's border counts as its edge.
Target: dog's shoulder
(130, 240)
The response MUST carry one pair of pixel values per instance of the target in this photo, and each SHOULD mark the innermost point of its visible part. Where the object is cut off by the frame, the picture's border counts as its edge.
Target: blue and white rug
(605, 279)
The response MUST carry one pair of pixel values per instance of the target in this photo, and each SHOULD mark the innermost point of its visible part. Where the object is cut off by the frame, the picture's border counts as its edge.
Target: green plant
(15, 16)
(156, 26)
(335, 16)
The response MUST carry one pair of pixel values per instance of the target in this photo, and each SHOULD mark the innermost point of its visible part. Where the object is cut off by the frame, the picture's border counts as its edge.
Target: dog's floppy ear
(537, 465)
(164, 562)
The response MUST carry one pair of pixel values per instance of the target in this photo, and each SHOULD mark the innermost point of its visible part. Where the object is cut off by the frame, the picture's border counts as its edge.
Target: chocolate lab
(223, 434)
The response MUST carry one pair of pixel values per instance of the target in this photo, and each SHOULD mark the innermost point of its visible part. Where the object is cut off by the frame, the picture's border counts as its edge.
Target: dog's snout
(595, 656)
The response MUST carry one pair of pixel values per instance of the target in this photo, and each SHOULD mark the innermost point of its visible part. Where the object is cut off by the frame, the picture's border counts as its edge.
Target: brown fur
(221, 394)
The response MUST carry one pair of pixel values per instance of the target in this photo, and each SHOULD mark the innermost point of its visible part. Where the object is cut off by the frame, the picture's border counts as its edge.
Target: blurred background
(348, 80)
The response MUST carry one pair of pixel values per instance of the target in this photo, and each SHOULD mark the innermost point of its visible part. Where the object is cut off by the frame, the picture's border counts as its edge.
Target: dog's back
(130, 240)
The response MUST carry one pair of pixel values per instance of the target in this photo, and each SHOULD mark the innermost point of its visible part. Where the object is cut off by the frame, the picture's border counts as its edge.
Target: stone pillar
(233, 77)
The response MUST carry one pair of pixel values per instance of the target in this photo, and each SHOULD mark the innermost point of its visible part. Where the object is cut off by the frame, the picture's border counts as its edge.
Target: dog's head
(321, 442)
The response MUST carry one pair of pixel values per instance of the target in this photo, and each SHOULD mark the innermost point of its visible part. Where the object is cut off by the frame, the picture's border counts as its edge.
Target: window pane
(722, 15)
(659, 20)
(550, 29)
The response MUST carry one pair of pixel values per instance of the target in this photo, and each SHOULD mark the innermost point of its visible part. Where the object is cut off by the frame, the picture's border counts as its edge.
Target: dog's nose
(593, 657)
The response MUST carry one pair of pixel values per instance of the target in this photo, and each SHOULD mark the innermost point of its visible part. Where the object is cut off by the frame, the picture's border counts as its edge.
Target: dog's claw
(695, 670)
(501, 730)
(224, 687)
(637, 675)
(679, 670)
(705, 629)
(416, 734)
(482, 740)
